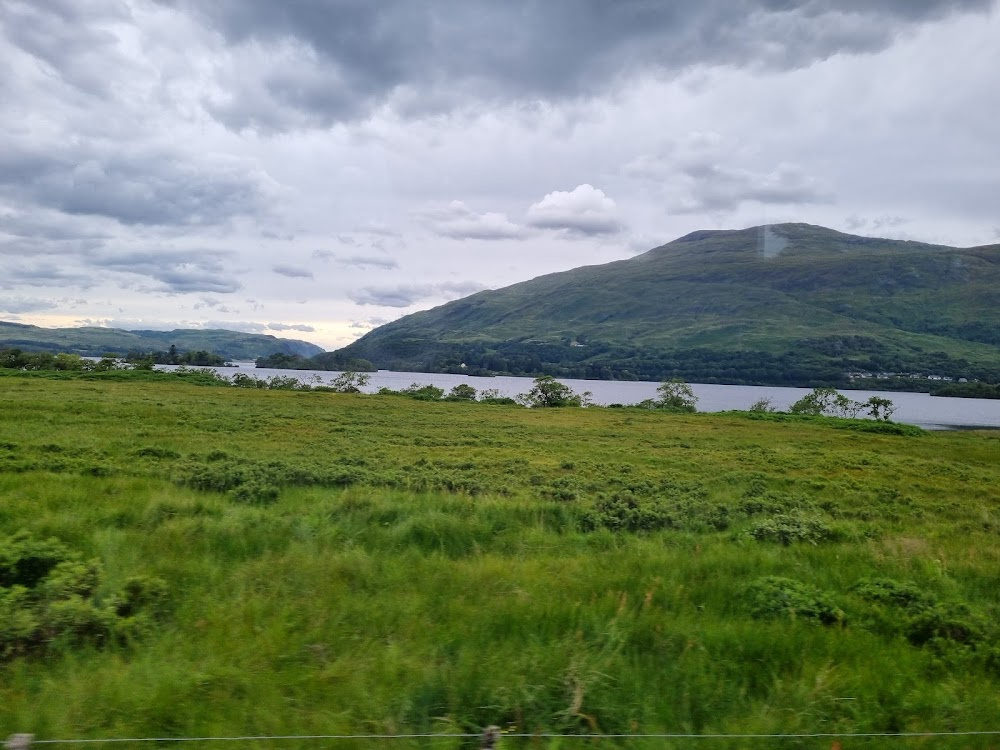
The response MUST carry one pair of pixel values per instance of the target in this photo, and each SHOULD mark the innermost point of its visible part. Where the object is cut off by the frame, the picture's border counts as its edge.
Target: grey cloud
(715, 188)
(214, 304)
(855, 223)
(292, 272)
(247, 326)
(339, 61)
(65, 35)
(368, 323)
(291, 327)
(142, 187)
(369, 261)
(50, 228)
(405, 295)
(585, 210)
(458, 221)
(177, 271)
(700, 172)
(44, 274)
(25, 304)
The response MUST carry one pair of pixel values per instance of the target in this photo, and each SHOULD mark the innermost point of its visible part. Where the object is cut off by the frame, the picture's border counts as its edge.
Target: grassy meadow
(328, 563)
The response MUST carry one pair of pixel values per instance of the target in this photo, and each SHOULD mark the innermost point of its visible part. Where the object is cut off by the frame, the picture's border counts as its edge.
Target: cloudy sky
(314, 168)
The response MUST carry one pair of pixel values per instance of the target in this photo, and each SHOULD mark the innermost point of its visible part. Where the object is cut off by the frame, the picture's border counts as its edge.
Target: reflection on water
(931, 412)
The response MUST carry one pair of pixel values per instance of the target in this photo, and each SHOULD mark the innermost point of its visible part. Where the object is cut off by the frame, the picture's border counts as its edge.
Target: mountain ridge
(93, 340)
(772, 294)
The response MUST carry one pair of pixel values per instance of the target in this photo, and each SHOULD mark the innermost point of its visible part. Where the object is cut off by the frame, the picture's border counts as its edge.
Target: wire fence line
(23, 742)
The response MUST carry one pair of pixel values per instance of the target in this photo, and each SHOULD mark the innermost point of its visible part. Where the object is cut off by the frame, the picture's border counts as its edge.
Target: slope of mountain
(96, 341)
(782, 304)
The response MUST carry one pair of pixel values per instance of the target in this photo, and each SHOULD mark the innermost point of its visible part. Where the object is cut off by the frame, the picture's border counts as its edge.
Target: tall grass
(438, 567)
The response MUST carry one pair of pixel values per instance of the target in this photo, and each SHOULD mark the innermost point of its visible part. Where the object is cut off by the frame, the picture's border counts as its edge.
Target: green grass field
(372, 564)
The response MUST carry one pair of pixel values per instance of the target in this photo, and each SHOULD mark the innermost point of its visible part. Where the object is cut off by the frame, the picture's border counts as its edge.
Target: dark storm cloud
(177, 271)
(405, 295)
(141, 188)
(337, 61)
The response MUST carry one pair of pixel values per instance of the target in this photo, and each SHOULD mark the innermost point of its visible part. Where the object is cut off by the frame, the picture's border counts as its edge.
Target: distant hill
(781, 304)
(93, 341)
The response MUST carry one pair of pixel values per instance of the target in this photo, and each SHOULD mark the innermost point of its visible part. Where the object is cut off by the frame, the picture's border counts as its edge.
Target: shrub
(789, 528)
(48, 598)
(774, 597)
(423, 392)
(255, 492)
(493, 396)
(889, 592)
(625, 511)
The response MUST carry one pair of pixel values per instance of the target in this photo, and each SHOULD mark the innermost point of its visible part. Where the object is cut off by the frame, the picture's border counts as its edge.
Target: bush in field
(625, 511)
(786, 529)
(493, 396)
(48, 597)
(549, 392)
(242, 380)
(919, 616)
(774, 597)
(423, 392)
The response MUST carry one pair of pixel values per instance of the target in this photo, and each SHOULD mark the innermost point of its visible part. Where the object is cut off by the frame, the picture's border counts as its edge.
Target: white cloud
(585, 210)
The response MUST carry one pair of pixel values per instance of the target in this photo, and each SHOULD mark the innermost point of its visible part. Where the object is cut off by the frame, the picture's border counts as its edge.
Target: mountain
(97, 341)
(780, 304)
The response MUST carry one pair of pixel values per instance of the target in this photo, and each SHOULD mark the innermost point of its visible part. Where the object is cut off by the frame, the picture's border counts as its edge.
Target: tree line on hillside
(328, 361)
(827, 361)
(200, 358)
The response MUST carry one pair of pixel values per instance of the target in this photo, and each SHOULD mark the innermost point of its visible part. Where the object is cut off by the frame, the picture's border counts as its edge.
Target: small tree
(547, 392)
(676, 395)
(764, 405)
(462, 392)
(817, 402)
(879, 408)
(350, 382)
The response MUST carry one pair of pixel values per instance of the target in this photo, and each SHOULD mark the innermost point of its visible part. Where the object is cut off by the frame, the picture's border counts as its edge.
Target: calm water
(930, 412)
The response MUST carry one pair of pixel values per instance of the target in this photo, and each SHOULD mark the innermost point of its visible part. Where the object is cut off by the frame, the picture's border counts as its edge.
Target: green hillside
(97, 341)
(788, 303)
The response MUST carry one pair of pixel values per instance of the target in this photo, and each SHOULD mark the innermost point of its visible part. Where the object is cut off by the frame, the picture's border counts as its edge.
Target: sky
(312, 169)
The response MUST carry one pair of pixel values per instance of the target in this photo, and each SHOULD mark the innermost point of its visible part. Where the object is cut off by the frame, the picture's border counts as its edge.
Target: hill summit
(782, 304)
